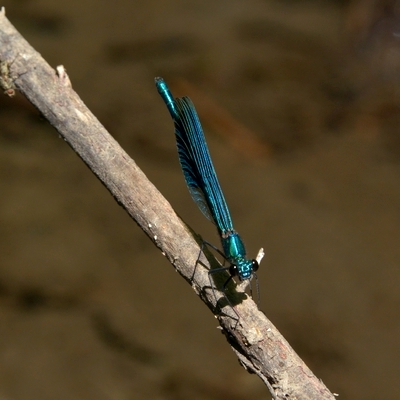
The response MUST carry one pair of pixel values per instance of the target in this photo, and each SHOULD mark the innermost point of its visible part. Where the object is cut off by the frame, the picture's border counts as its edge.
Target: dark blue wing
(197, 166)
(195, 159)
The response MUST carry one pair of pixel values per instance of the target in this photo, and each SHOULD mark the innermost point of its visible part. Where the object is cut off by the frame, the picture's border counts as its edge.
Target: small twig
(259, 346)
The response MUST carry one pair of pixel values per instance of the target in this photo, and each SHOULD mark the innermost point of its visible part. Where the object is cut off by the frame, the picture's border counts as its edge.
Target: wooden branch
(259, 346)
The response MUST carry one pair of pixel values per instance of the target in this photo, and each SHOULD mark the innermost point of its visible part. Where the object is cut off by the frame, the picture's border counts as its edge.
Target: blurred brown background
(89, 308)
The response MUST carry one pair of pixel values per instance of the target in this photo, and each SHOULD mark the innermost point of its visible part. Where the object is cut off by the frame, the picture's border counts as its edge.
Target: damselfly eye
(233, 270)
(255, 265)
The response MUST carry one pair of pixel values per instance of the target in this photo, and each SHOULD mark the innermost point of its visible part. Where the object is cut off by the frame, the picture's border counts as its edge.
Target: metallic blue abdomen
(233, 247)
